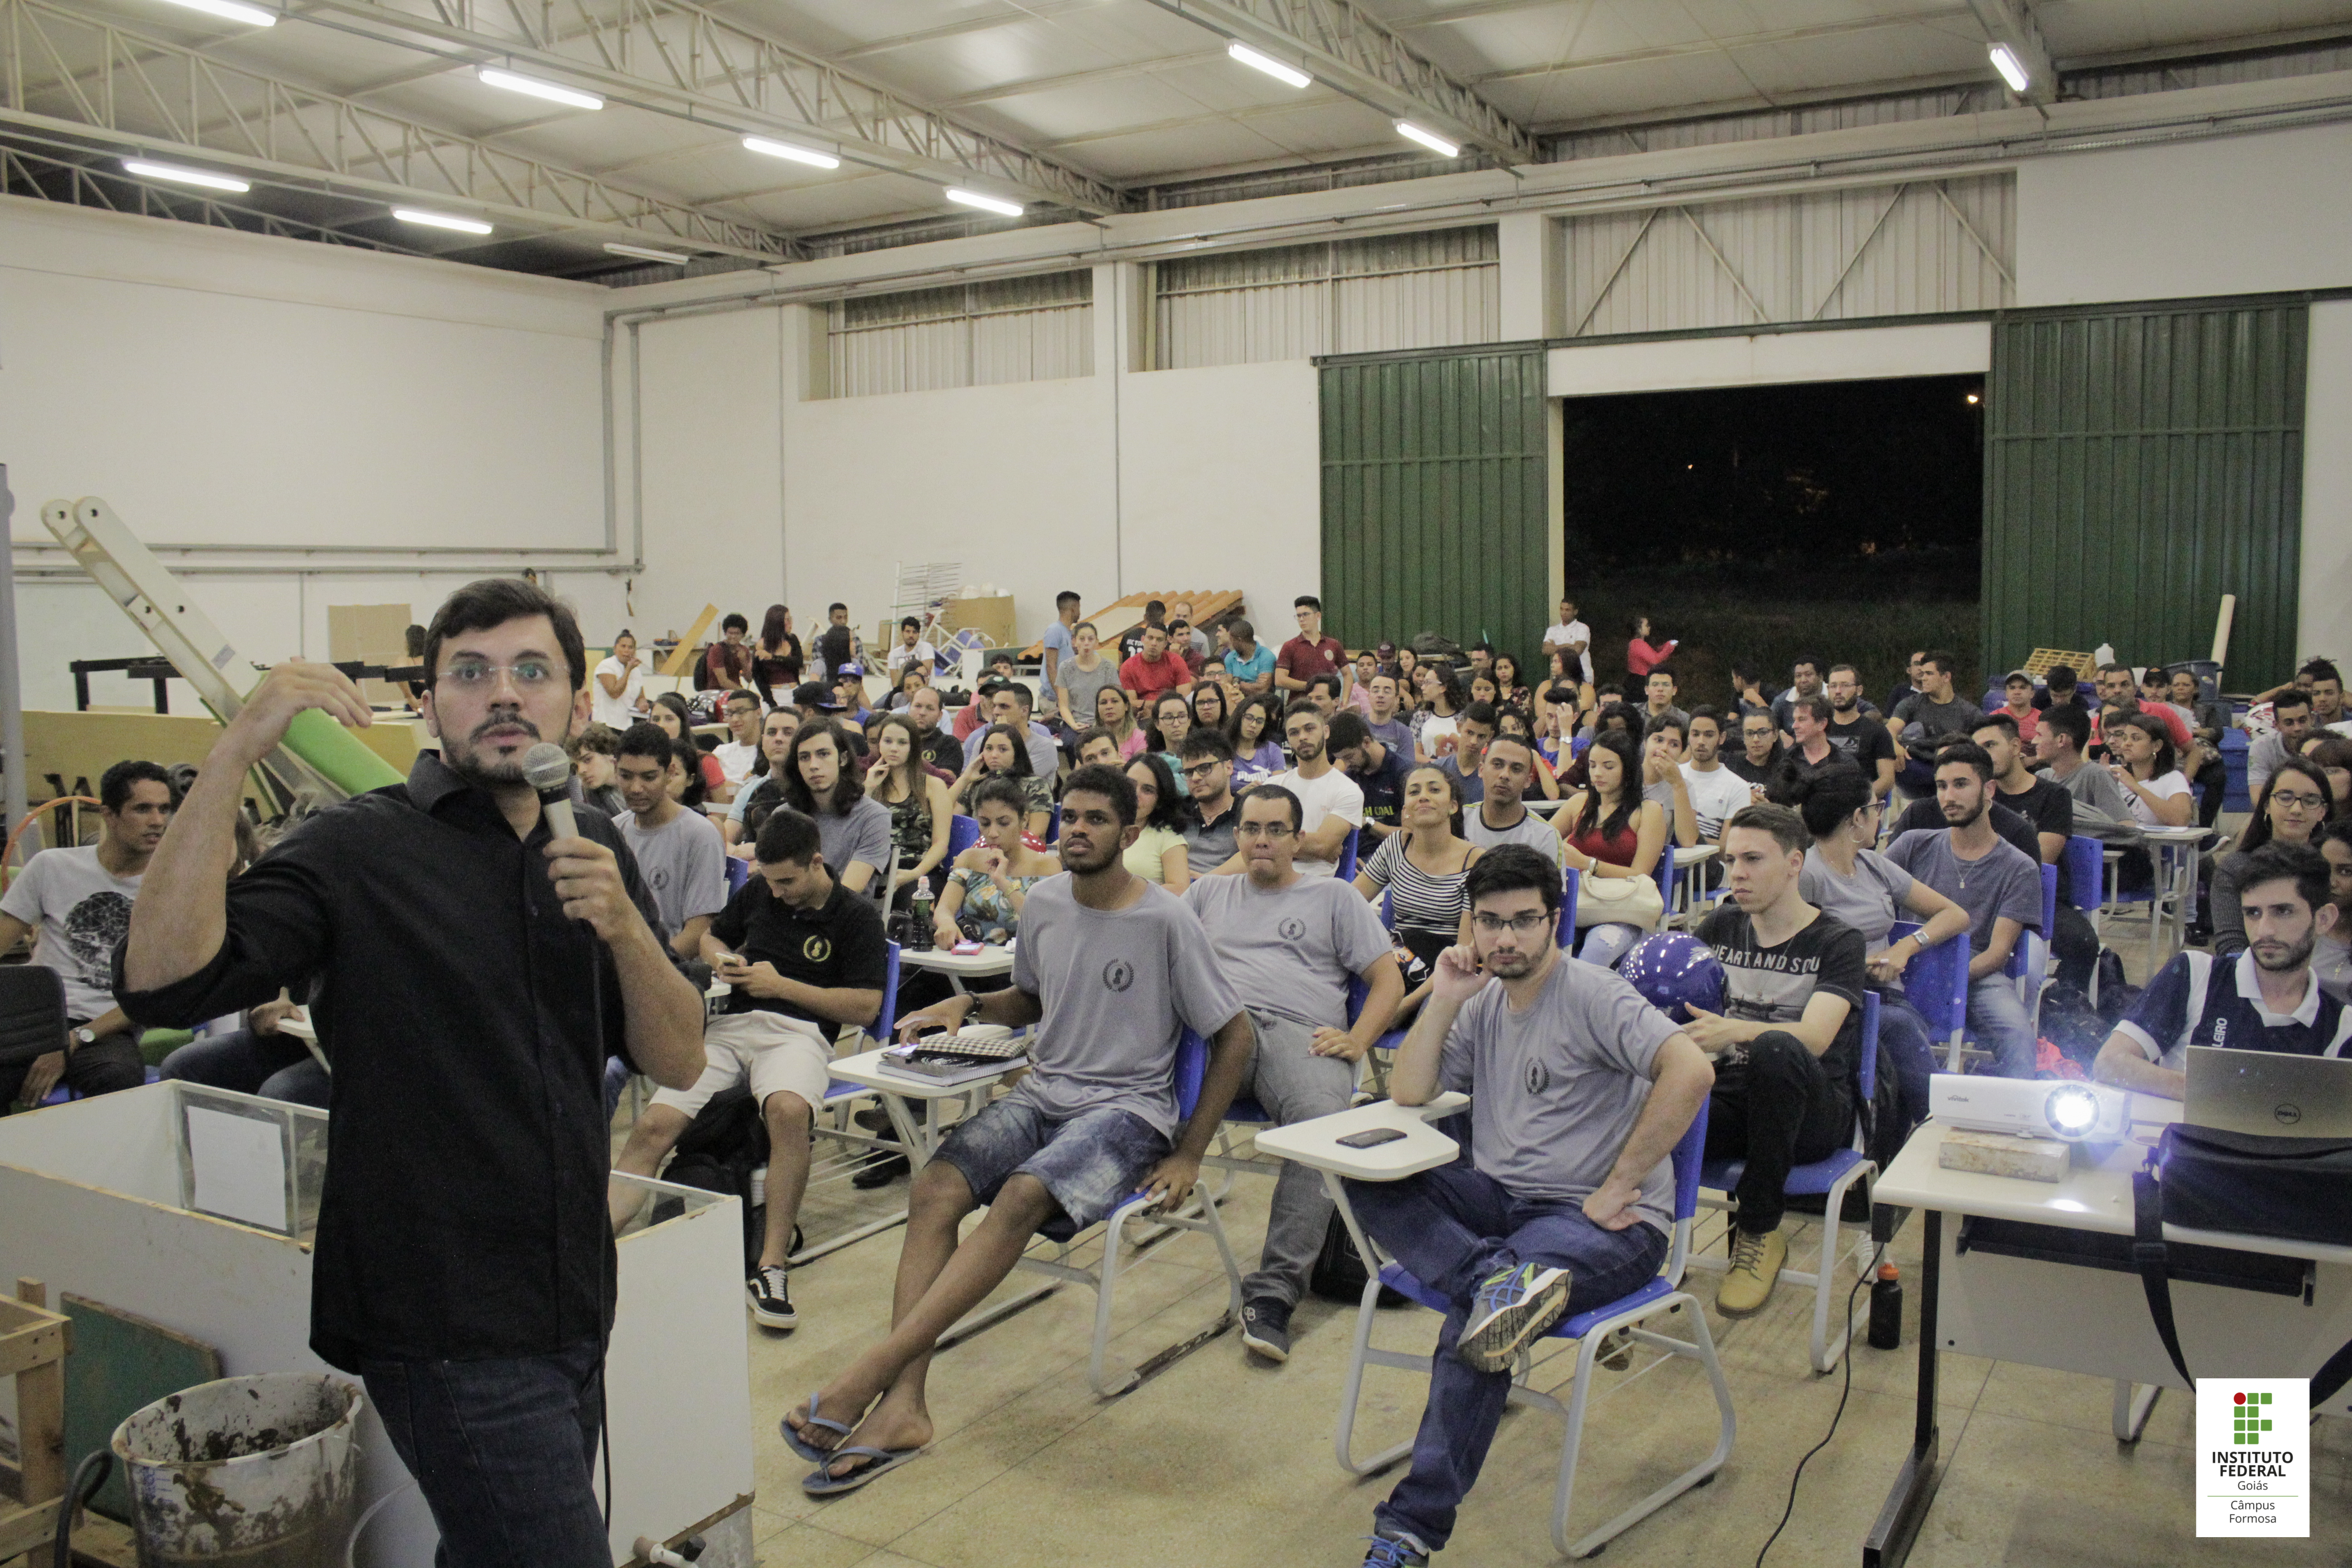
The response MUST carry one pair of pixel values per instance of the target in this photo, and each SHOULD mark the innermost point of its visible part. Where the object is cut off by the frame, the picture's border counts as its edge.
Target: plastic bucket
(262, 1472)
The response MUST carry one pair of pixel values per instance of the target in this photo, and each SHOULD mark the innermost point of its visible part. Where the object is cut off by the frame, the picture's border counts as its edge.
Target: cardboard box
(993, 618)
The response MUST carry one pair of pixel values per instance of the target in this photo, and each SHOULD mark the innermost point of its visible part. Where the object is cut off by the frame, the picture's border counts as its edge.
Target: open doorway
(1755, 523)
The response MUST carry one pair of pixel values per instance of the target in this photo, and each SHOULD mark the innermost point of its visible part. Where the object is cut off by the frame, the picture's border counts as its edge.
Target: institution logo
(1292, 929)
(2253, 1464)
(1119, 974)
(815, 949)
(1538, 1078)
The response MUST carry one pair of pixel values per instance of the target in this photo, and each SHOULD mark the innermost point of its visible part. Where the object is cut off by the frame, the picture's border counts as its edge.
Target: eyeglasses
(1519, 925)
(476, 675)
(1202, 770)
(1263, 830)
(2294, 798)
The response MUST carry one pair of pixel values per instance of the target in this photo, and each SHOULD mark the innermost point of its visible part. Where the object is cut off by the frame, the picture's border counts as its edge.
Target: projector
(2071, 1110)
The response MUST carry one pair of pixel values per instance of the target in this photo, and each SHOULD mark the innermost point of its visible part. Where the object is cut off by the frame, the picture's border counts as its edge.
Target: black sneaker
(772, 1304)
(880, 1173)
(1265, 1328)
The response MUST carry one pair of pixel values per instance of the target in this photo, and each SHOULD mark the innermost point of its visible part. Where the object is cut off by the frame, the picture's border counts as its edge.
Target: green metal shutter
(2141, 464)
(1434, 512)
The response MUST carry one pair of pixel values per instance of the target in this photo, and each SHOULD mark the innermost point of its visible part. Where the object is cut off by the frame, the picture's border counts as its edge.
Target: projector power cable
(1845, 1389)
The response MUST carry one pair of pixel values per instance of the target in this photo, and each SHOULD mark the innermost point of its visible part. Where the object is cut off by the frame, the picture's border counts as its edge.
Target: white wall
(1862, 353)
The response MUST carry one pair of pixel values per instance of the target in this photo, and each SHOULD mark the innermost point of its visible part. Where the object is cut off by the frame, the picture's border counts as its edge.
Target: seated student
(1158, 854)
(2331, 957)
(669, 714)
(616, 690)
(2120, 695)
(995, 666)
(1153, 669)
(1382, 716)
(2292, 808)
(1515, 721)
(737, 754)
(804, 955)
(257, 1058)
(1325, 692)
(1473, 727)
(911, 679)
(913, 649)
(680, 853)
(1211, 708)
(1378, 771)
(684, 779)
(1609, 832)
(939, 749)
(2332, 756)
(921, 812)
(766, 780)
(2267, 999)
(1504, 772)
(2049, 810)
(2141, 758)
(726, 665)
(849, 700)
(1209, 839)
(1924, 720)
(2018, 701)
(1008, 700)
(1805, 673)
(1665, 742)
(1288, 944)
(1421, 868)
(1716, 791)
(989, 883)
(1249, 660)
(2290, 727)
(79, 900)
(1112, 971)
(998, 752)
(1809, 720)
(1256, 736)
(1580, 1089)
(1788, 1044)
(1439, 714)
(1845, 876)
(1858, 730)
(1115, 713)
(1097, 748)
(1171, 720)
(2207, 720)
(1997, 883)
(2062, 745)
(1758, 756)
(1334, 806)
(821, 782)
(593, 754)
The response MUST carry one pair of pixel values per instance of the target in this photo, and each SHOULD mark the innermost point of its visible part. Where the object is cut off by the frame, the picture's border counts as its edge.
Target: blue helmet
(1675, 972)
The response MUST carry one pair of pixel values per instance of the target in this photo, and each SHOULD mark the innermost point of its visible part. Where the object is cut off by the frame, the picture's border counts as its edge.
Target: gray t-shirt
(1558, 1087)
(2004, 882)
(1118, 988)
(2093, 786)
(1957, 717)
(80, 909)
(1530, 830)
(1663, 791)
(684, 863)
(1290, 950)
(861, 832)
(1083, 684)
(1870, 901)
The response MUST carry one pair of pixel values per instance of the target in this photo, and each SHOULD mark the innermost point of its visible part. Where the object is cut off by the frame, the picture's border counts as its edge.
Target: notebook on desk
(2269, 1092)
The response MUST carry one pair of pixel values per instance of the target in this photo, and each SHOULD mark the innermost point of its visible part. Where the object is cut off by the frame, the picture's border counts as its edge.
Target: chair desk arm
(1315, 1143)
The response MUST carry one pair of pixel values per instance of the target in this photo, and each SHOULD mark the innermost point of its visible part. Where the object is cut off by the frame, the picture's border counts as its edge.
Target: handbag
(1619, 901)
(2292, 1189)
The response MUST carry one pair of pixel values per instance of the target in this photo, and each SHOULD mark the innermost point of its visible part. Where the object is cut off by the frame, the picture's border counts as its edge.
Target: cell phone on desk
(1371, 1138)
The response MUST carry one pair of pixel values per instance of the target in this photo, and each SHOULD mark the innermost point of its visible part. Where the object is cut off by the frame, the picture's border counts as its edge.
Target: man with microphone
(478, 954)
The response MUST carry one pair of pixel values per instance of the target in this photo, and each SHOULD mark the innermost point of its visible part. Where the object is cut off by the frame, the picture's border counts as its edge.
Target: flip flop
(817, 1457)
(822, 1482)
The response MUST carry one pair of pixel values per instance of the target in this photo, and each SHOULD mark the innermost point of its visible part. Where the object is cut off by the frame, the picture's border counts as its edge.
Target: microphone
(547, 770)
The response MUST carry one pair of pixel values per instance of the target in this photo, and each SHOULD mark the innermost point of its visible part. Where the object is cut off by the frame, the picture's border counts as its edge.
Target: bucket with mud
(260, 1472)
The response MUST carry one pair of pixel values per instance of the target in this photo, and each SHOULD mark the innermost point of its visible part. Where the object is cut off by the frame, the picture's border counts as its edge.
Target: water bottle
(920, 938)
(1887, 1310)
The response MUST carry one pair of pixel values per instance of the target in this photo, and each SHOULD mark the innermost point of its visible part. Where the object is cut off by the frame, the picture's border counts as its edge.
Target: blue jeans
(274, 1067)
(2002, 1025)
(1451, 1228)
(1902, 1042)
(502, 1449)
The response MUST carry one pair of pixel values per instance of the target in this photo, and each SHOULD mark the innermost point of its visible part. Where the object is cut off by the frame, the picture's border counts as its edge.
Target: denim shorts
(1091, 1162)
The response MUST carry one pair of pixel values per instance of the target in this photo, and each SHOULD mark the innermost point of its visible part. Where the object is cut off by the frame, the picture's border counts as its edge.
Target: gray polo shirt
(1557, 1089)
(1290, 950)
(1118, 988)
(1208, 845)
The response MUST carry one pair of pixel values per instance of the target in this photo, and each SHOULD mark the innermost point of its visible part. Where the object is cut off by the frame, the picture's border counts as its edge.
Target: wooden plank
(1116, 619)
(41, 1416)
(681, 657)
(102, 1543)
(37, 1345)
(122, 1364)
(24, 1529)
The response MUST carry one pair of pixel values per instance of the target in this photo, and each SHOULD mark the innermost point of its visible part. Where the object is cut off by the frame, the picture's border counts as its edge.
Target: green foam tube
(337, 753)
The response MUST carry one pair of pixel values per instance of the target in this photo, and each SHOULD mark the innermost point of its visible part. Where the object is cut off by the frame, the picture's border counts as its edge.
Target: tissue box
(2004, 1155)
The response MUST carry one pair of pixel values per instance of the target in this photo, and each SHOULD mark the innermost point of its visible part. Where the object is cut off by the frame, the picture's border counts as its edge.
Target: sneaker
(881, 1172)
(1397, 1550)
(1514, 1305)
(772, 1304)
(1266, 1327)
(1754, 1268)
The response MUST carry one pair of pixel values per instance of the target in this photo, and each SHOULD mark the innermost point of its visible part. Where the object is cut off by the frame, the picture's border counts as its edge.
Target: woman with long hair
(1003, 754)
(1434, 723)
(686, 783)
(1422, 866)
(776, 657)
(766, 782)
(2139, 755)
(1484, 688)
(1115, 713)
(1209, 709)
(1158, 854)
(853, 831)
(2295, 804)
(1171, 720)
(1407, 664)
(920, 810)
(1256, 736)
(1845, 876)
(670, 712)
(1609, 832)
(1642, 655)
(1510, 685)
(992, 879)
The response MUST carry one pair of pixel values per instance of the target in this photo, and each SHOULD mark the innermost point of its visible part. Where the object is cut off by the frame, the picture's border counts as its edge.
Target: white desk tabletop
(970, 966)
(867, 1069)
(1422, 1148)
(1693, 856)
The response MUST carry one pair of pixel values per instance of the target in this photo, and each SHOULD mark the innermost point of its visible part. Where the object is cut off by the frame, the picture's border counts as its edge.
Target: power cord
(1846, 1388)
(87, 1476)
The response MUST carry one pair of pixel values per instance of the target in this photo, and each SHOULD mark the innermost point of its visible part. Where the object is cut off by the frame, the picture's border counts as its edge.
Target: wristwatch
(85, 1035)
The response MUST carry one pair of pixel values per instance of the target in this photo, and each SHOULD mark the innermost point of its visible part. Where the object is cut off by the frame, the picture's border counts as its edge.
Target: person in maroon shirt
(1154, 670)
(1310, 652)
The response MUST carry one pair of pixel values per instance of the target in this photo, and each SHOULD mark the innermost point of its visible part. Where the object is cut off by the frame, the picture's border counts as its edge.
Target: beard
(1097, 858)
(468, 762)
(2281, 958)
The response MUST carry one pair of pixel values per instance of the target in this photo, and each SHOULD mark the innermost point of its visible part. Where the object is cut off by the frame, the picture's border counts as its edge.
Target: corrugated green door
(2140, 465)
(1433, 499)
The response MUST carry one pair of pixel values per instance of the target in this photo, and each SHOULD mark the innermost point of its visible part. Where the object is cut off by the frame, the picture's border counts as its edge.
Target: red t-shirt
(1147, 679)
(1304, 660)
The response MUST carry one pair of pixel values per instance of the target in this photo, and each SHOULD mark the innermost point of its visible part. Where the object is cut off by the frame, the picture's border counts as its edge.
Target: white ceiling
(1130, 94)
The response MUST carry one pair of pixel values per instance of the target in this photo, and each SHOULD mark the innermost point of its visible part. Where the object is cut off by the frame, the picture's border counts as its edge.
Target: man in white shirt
(1716, 791)
(679, 853)
(911, 648)
(736, 757)
(619, 687)
(1573, 635)
(1333, 802)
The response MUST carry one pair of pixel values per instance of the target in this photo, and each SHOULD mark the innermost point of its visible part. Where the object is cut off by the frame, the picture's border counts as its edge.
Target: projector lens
(2073, 1109)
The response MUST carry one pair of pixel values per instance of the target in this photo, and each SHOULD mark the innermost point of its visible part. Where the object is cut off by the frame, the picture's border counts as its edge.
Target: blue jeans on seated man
(1451, 1228)
(502, 1450)
(2002, 1025)
(274, 1067)
(1607, 942)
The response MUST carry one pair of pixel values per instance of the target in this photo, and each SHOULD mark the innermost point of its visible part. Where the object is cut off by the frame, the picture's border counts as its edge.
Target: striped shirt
(1418, 900)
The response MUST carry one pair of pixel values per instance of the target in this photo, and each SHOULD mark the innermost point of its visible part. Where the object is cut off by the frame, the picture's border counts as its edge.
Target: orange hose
(17, 833)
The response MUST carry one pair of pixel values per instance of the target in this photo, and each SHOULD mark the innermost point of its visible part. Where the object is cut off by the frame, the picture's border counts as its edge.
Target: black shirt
(942, 750)
(1384, 787)
(464, 1214)
(1772, 984)
(1864, 742)
(840, 945)
(1736, 759)
(783, 670)
(1793, 770)
(833, 645)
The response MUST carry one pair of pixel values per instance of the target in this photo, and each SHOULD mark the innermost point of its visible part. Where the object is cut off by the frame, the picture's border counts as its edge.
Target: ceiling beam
(2011, 22)
(685, 60)
(143, 95)
(1345, 49)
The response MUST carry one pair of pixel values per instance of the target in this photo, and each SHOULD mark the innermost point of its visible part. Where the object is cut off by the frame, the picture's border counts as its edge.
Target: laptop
(2272, 1092)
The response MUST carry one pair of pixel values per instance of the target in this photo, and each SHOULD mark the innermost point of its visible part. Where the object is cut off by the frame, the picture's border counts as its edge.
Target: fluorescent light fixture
(492, 76)
(808, 155)
(645, 253)
(2012, 69)
(441, 220)
(1289, 75)
(233, 10)
(1429, 139)
(985, 203)
(204, 177)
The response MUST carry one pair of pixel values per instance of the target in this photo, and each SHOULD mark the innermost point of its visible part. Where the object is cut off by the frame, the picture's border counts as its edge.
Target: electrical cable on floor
(1834, 1417)
(351, 1546)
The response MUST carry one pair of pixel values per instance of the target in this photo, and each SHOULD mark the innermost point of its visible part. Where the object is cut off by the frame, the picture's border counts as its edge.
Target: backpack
(1430, 644)
(720, 1149)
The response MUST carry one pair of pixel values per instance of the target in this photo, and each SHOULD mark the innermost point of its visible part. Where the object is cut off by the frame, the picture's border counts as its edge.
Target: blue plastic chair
(1661, 1295)
(2085, 860)
(1827, 1179)
(739, 871)
(1937, 984)
(962, 833)
(1346, 872)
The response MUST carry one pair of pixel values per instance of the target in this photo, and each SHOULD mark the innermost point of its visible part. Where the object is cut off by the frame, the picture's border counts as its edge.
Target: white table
(1316, 1144)
(2173, 885)
(297, 1027)
(985, 964)
(902, 1094)
(1690, 875)
(1987, 1300)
